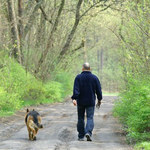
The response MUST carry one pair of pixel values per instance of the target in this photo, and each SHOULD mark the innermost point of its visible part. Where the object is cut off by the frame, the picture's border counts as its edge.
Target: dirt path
(59, 131)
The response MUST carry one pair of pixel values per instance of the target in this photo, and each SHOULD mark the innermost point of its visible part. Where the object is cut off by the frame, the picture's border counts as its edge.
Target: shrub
(18, 89)
(9, 102)
(133, 109)
(13, 77)
(53, 91)
(66, 80)
(34, 91)
(143, 146)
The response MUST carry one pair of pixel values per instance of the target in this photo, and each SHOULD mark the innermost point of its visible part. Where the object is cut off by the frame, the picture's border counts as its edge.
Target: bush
(133, 109)
(13, 77)
(9, 102)
(18, 89)
(143, 146)
(53, 91)
(34, 90)
(66, 80)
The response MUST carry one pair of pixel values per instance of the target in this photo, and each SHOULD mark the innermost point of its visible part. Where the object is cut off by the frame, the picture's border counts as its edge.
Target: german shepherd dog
(33, 122)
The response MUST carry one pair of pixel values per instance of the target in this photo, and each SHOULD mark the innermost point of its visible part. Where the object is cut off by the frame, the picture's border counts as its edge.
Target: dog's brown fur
(33, 122)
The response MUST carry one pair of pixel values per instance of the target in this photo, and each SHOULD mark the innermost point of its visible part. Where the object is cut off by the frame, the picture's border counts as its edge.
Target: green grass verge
(142, 146)
(6, 113)
(36, 102)
(110, 94)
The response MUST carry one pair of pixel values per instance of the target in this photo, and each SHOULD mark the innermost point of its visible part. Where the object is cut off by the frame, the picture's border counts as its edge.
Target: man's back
(85, 86)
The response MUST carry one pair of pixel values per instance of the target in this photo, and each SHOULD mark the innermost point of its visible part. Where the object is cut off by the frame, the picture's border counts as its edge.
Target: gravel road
(59, 132)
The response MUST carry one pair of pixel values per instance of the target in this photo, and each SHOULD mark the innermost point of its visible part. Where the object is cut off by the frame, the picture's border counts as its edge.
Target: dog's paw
(34, 139)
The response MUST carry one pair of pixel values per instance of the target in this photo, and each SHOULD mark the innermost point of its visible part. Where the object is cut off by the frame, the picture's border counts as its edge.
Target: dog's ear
(27, 110)
(33, 110)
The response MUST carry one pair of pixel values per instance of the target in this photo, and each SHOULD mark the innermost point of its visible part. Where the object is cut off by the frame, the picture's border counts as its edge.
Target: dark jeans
(81, 128)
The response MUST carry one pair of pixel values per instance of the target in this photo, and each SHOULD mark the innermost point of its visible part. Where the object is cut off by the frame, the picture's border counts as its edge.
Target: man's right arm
(98, 93)
(98, 90)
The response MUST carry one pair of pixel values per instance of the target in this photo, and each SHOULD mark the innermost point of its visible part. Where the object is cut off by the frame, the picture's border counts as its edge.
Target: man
(86, 85)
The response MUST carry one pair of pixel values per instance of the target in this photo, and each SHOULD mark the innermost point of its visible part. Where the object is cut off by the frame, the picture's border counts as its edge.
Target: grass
(142, 146)
(110, 94)
(6, 113)
(45, 101)
(36, 102)
(28, 103)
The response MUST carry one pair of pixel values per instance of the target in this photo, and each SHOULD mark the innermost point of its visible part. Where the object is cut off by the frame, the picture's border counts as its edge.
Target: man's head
(86, 67)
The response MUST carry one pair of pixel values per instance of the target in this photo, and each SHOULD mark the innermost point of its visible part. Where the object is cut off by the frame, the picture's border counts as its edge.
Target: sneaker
(80, 139)
(88, 137)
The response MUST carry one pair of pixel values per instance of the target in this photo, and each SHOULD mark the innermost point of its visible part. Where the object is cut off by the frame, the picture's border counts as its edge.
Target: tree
(16, 52)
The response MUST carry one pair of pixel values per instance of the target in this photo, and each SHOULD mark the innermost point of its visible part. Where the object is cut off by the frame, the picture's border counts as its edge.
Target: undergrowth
(18, 89)
(133, 109)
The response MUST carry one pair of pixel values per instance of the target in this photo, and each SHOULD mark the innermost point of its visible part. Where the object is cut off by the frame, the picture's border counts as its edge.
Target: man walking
(86, 85)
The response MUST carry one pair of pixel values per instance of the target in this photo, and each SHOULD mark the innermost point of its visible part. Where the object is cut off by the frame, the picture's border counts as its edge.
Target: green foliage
(53, 90)
(66, 80)
(143, 146)
(133, 108)
(18, 89)
(34, 90)
(11, 85)
(136, 41)
(9, 101)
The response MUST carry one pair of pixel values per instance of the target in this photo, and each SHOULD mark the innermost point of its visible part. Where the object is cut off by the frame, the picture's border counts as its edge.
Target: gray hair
(86, 66)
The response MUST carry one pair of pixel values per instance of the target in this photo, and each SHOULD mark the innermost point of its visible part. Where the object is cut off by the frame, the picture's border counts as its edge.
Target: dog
(33, 122)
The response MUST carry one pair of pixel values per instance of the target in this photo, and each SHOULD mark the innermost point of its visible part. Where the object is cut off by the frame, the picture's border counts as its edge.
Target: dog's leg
(29, 132)
(32, 130)
(36, 131)
(33, 134)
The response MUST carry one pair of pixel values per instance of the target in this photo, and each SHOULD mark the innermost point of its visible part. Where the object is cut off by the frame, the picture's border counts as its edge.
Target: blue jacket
(86, 85)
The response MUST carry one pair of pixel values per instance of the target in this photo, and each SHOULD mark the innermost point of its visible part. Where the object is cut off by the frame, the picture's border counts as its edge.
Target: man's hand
(98, 104)
(74, 102)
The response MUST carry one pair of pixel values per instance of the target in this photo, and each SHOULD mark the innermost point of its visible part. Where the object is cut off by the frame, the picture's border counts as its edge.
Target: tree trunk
(101, 64)
(50, 41)
(74, 28)
(20, 26)
(14, 31)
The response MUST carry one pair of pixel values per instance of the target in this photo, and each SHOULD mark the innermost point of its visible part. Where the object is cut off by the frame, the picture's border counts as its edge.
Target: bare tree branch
(92, 6)
(70, 36)
(74, 28)
(49, 43)
(44, 14)
(140, 27)
(96, 5)
(80, 46)
(128, 46)
(32, 18)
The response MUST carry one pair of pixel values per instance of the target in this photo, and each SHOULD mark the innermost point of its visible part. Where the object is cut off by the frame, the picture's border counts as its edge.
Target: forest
(44, 43)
